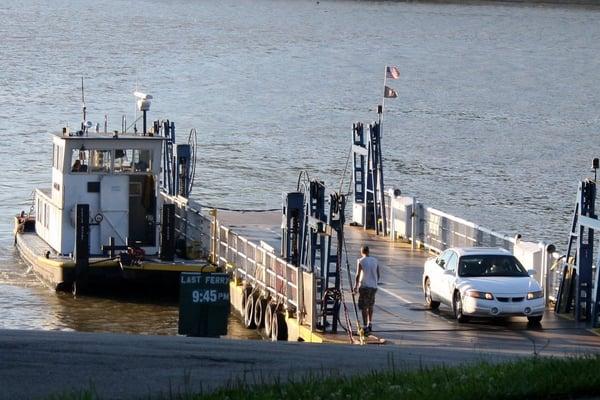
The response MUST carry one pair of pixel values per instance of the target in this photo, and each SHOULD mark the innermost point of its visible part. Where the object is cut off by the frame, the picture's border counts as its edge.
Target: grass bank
(533, 378)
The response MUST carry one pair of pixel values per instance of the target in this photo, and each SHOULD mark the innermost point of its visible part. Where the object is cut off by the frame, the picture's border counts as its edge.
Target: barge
(109, 214)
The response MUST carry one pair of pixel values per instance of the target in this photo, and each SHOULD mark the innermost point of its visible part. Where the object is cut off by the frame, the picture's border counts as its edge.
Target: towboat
(110, 212)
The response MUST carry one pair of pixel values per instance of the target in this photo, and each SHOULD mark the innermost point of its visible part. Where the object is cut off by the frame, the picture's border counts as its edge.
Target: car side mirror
(531, 272)
(440, 262)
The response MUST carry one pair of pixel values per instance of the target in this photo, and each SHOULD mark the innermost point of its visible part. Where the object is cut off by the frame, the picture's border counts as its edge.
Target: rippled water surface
(496, 120)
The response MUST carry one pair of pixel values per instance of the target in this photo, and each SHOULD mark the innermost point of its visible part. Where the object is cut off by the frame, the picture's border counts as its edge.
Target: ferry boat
(109, 213)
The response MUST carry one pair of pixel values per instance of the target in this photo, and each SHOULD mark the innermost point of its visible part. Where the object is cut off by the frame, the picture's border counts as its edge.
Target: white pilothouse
(107, 194)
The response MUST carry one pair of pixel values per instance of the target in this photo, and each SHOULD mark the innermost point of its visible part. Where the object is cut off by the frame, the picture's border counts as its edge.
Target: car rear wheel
(458, 308)
(535, 319)
(433, 305)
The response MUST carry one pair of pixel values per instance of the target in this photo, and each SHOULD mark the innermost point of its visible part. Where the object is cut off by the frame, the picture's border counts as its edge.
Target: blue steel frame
(367, 165)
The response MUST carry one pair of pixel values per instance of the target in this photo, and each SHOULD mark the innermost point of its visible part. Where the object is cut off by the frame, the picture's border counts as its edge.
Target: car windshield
(490, 265)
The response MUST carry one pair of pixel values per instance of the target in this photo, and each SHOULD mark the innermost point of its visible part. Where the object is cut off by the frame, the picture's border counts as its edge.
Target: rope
(346, 313)
(359, 329)
(345, 169)
(193, 142)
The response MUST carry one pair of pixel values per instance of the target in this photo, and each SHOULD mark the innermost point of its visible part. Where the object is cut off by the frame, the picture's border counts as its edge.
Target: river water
(496, 119)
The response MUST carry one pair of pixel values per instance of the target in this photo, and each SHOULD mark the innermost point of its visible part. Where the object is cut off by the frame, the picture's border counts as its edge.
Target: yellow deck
(55, 269)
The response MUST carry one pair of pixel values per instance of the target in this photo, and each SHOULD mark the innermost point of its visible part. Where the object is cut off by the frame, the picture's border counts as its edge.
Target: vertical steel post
(413, 224)
(358, 162)
(596, 296)
(380, 180)
(563, 299)
(544, 272)
(585, 250)
(111, 243)
(301, 312)
(392, 218)
(167, 233)
(82, 246)
(292, 221)
(548, 251)
(214, 240)
(144, 124)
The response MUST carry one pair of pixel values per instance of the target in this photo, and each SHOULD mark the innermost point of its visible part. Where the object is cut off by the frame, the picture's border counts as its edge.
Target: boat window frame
(92, 169)
(85, 164)
(57, 156)
(132, 168)
(46, 221)
(135, 152)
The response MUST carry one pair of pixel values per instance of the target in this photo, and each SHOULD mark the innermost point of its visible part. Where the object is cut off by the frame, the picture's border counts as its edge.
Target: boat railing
(250, 263)
(258, 266)
(190, 226)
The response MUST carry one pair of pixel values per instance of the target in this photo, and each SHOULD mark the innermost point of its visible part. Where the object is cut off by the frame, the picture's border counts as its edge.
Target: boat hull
(58, 272)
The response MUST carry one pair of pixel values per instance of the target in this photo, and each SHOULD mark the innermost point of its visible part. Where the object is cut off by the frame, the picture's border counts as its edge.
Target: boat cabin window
(80, 160)
(57, 156)
(91, 161)
(133, 160)
(100, 160)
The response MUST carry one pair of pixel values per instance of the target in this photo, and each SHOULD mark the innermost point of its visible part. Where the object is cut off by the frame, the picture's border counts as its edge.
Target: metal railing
(254, 264)
(258, 266)
(190, 225)
(442, 230)
(437, 230)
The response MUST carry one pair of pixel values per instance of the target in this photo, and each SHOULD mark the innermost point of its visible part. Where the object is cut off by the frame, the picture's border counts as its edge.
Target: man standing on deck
(367, 276)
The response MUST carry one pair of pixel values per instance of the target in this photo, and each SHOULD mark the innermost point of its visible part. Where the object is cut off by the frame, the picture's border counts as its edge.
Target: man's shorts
(366, 297)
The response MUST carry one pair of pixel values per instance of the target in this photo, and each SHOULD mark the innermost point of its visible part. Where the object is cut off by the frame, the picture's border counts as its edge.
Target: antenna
(135, 107)
(83, 102)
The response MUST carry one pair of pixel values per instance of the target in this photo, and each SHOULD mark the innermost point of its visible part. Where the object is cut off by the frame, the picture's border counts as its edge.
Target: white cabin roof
(106, 136)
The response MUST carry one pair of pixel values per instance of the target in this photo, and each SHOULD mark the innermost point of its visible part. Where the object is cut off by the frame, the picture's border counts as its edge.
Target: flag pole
(380, 160)
(382, 101)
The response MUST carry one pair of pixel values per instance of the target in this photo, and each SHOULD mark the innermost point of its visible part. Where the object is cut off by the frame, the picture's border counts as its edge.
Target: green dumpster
(203, 304)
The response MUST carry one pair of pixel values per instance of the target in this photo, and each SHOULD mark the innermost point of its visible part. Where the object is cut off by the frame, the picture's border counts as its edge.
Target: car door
(437, 274)
(448, 278)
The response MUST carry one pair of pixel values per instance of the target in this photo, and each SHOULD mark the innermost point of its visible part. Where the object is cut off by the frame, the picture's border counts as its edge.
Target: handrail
(471, 225)
(277, 278)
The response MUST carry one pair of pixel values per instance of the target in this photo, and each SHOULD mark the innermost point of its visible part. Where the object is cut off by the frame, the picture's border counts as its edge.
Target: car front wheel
(458, 308)
(433, 305)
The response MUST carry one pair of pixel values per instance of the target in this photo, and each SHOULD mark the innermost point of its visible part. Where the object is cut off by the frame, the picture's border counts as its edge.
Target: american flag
(392, 72)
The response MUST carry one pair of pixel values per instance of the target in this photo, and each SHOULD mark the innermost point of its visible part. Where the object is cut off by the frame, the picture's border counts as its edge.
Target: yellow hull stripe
(146, 266)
